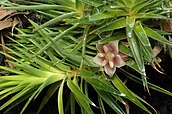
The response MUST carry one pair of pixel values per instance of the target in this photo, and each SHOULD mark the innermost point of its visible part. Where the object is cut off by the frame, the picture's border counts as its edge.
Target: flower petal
(104, 62)
(111, 64)
(109, 71)
(123, 56)
(113, 46)
(105, 48)
(100, 48)
(100, 55)
(118, 61)
(98, 60)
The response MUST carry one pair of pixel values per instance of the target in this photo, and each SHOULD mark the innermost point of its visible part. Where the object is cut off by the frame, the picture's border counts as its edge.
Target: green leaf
(53, 88)
(65, 3)
(79, 7)
(123, 89)
(85, 37)
(79, 44)
(23, 92)
(85, 107)
(150, 16)
(60, 98)
(18, 101)
(138, 6)
(55, 39)
(127, 3)
(95, 3)
(132, 64)
(124, 49)
(39, 7)
(8, 84)
(107, 14)
(142, 36)
(7, 90)
(29, 100)
(57, 19)
(72, 103)
(3, 1)
(86, 73)
(32, 70)
(134, 44)
(101, 105)
(46, 65)
(58, 63)
(54, 59)
(110, 101)
(20, 85)
(12, 70)
(135, 48)
(156, 36)
(50, 80)
(98, 83)
(116, 36)
(150, 85)
(117, 24)
(78, 92)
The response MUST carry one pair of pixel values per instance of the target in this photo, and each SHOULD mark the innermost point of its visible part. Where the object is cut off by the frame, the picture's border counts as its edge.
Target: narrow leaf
(156, 36)
(110, 101)
(78, 92)
(142, 36)
(150, 85)
(117, 24)
(102, 86)
(101, 105)
(60, 98)
(107, 14)
(55, 39)
(95, 3)
(57, 19)
(123, 89)
(48, 95)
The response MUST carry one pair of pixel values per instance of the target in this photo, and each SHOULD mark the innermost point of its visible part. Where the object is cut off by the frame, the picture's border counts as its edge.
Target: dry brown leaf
(15, 22)
(127, 108)
(6, 24)
(5, 50)
(5, 13)
(156, 50)
(158, 69)
(167, 26)
(155, 63)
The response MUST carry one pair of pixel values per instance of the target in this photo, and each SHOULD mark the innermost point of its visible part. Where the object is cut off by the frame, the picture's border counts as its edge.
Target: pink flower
(108, 56)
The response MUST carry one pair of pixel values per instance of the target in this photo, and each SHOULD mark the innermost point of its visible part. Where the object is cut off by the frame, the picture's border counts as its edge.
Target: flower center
(108, 55)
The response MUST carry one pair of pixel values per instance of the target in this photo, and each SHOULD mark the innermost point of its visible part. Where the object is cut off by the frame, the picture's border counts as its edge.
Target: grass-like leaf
(78, 92)
(117, 24)
(110, 101)
(95, 3)
(38, 7)
(151, 86)
(156, 36)
(123, 89)
(60, 98)
(48, 95)
(141, 34)
(55, 39)
(102, 86)
(107, 14)
(101, 105)
(57, 19)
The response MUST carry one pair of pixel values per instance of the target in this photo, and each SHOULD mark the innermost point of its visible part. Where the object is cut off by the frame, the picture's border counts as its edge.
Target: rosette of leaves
(60, 49)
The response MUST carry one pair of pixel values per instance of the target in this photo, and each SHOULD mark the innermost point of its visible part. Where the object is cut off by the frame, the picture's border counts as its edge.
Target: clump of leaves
(61, 51)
